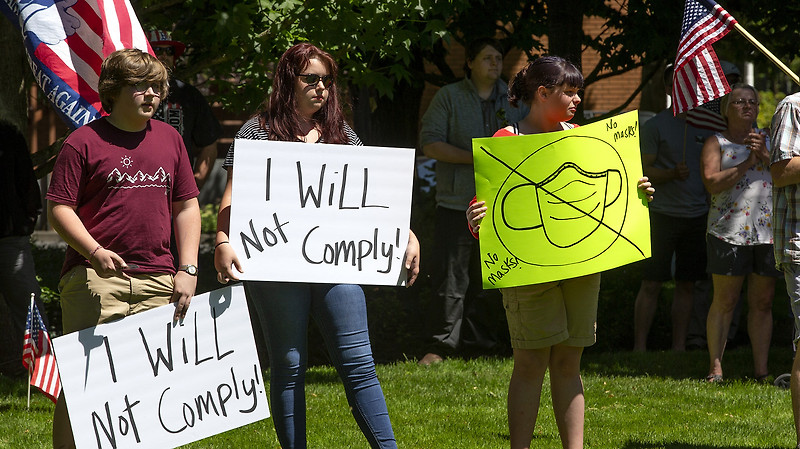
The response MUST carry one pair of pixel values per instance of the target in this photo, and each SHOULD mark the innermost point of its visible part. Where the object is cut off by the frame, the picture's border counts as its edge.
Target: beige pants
(88, 300)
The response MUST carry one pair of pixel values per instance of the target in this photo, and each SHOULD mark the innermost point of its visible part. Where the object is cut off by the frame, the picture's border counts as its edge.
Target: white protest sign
(321, 213)
(146, 381)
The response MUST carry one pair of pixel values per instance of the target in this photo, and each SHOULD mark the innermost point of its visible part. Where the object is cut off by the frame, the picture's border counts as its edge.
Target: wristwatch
(190, 269)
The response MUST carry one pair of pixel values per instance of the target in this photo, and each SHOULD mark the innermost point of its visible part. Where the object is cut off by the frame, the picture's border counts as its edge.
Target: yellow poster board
(561, 204)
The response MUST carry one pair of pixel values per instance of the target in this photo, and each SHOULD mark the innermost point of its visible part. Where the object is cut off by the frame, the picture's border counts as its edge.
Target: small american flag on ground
(67, 40)
(38, 356)
(698, 77)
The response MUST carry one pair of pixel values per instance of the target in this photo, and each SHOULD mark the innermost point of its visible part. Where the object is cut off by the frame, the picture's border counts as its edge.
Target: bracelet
(220, 243)
(91, 254)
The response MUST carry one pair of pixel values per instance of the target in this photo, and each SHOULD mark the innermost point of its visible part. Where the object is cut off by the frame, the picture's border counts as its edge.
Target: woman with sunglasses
(304, 107)
(735, 170)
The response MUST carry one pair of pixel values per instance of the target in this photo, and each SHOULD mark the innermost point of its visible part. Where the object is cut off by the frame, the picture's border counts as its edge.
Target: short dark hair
(128, 67)
(547, 71)
(475, 47)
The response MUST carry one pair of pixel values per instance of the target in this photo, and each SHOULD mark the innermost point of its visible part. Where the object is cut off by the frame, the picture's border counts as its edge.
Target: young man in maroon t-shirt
(117, 183)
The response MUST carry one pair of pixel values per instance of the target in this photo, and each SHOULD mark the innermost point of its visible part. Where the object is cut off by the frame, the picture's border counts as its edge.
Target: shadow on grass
(682, 445)
(738, 363)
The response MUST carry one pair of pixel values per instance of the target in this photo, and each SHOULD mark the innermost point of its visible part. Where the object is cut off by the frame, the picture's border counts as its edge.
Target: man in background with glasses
(186, 109)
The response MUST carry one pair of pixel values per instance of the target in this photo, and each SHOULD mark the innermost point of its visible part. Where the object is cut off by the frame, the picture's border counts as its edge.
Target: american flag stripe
(700, 117)
(67, 66)
(38, 356)
(707, 32)
(698, 77)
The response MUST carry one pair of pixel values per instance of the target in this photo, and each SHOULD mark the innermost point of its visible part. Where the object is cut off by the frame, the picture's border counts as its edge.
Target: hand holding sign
(560, 205)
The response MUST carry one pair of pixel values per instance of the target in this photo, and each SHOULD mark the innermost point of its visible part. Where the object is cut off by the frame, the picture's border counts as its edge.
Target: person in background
(550, 323)
(785, 171)
(671, 160)
(186, 110)
(304, 107)
(20, 205)
(735, 167)
(117, 222)
(476, 106)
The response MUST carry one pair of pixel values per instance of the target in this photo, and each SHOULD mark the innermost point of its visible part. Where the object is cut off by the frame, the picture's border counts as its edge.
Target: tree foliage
(382, 44)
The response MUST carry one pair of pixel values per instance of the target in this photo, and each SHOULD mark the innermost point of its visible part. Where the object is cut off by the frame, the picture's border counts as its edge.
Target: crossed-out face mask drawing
(577, 210)
(570, 204)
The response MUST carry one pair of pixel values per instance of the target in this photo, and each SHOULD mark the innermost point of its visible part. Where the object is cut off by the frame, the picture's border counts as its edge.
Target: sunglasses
(169, 51)
(313, 79)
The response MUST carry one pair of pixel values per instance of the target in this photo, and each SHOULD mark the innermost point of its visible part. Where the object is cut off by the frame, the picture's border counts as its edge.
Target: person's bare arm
(186, 219)
(659, 175)
(445, 152)
(204, 163)
(64, 219)
(225, 259)
(715, 178)
(785, 172)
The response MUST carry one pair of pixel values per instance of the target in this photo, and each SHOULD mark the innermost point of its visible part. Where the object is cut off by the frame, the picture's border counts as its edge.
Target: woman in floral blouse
(735, 169)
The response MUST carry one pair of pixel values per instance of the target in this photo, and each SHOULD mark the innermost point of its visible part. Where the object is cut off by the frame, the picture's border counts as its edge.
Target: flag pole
(30, 311)
(767, 53)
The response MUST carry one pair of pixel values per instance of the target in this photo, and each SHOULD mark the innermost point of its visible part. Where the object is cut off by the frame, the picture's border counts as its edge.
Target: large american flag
(67, 40)
(38, 356)
(698, 77)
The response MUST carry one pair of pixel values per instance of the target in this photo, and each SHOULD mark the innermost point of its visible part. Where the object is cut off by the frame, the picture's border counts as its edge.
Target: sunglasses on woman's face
(312, 79)
(169, 51)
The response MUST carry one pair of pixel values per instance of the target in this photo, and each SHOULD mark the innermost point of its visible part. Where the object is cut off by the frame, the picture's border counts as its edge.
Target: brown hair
(547, 71)
(476, 47)
(129, 67)
(281, 112)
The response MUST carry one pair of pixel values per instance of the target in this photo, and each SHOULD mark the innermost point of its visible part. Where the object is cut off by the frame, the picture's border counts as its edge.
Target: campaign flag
(67, 41)
(698, 76)
(38, 356)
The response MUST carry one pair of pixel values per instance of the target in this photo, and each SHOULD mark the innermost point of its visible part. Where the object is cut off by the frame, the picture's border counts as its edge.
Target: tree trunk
(565, 30)
(14, 76)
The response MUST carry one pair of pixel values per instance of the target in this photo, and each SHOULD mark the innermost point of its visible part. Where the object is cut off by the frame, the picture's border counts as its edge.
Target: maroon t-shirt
(123, 184)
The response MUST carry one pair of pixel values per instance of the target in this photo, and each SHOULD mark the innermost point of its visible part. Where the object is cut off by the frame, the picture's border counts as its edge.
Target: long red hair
(281, 113)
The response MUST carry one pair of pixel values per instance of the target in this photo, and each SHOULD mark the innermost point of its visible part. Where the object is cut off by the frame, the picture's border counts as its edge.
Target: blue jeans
(340, 312)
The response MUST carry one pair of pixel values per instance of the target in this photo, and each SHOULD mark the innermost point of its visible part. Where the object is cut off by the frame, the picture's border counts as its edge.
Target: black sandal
(714, 378)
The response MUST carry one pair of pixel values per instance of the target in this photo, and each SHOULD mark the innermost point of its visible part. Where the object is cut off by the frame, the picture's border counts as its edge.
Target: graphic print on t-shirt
(123, 180)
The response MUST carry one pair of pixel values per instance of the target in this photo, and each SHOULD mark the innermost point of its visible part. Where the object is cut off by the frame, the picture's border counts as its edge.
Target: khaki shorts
(88, 300)
(543, 315)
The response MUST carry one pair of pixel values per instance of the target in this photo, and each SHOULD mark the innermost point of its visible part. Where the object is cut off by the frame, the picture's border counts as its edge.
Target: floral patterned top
(742, 215)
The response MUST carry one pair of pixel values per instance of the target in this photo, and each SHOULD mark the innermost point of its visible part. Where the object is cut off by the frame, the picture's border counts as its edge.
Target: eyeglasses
(312, 79)
(742, 102)
(169, 51)
(144, 85)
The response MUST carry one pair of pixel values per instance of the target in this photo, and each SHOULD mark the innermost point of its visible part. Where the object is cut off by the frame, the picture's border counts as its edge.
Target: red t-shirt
(123, 184)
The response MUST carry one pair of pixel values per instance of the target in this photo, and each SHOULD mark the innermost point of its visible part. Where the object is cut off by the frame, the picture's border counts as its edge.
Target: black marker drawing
(577, 207)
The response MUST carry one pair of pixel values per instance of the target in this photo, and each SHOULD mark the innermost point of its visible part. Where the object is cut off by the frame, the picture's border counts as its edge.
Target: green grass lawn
(633, 401)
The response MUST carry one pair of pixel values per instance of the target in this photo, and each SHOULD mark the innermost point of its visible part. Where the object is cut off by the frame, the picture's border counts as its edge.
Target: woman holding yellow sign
(549, 323)
(303, 107)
